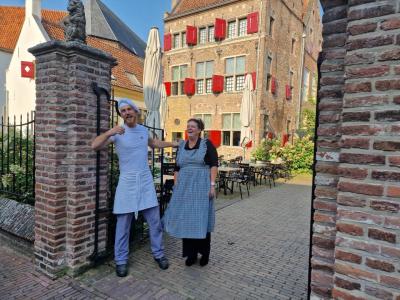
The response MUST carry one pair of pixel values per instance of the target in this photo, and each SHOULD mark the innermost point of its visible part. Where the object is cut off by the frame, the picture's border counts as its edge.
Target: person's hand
(211, 194)
(175, 144)
(116, 130)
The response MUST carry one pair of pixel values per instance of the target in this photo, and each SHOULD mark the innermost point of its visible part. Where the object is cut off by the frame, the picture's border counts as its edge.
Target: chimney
(33, 8)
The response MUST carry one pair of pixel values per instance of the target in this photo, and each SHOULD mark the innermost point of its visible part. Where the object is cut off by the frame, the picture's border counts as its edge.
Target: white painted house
(21, 90)
(5, 58)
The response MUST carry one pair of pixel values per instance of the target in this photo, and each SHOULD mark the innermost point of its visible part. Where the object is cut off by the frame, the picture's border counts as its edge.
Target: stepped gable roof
(188, 6)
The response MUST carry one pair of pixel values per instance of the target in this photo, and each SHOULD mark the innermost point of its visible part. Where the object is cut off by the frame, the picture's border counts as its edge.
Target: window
(184, 39)
(266, 123)
(202, 35)
(231, 129)
(204, 73)
(207, 123)
(231, 29)
(179, 73)
(314, 86)
(268, 71)
(176, 136)
(211, 37)
(142, 115)
(293, 45)
(176, 41)
(235, 73)
(271, 25)
(291, 78)
(242, 27)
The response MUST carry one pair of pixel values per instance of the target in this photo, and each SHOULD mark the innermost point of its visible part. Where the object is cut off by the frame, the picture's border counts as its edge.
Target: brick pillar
(328, 136)
(368, 221)
(356, 250)
(65, 164)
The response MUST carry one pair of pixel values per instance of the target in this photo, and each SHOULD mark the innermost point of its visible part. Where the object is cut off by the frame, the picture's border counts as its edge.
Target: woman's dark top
(211, 157)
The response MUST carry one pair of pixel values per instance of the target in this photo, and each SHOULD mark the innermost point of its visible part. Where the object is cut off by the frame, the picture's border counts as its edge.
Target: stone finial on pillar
(75, 22)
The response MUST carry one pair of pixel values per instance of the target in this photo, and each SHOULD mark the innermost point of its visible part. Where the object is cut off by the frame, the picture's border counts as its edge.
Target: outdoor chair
(168, 168)
(240, 178)
(267, 173)
(250, 172)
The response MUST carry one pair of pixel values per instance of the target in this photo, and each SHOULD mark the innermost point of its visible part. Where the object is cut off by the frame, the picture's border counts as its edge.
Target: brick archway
(356, 229)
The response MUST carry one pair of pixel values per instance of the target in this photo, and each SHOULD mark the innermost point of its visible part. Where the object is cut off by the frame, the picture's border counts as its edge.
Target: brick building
(209, 47)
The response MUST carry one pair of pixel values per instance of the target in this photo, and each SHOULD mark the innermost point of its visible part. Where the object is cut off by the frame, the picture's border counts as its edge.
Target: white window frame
(178, 82)
(209, 40)
(183, 39)
(203, 38)
(231, 130)
(235, 75)
(228, 31)
(205, 78)
(244, 33)
(176, 44)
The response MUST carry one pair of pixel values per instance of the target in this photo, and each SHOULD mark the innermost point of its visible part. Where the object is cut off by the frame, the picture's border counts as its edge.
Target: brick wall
(356, 248)
(65, 164)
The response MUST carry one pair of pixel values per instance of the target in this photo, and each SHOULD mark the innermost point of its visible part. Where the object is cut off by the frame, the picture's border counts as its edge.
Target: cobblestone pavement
(259, 251)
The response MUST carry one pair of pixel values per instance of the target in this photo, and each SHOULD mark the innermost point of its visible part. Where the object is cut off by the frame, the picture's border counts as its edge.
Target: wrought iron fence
(17, 159)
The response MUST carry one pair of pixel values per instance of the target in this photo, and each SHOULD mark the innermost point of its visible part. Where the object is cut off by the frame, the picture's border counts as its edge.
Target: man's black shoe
(162, 262)
(121, 270)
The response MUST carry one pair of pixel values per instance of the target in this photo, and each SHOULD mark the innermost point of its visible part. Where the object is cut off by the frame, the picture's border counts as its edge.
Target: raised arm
(155, 143)
(103, 140)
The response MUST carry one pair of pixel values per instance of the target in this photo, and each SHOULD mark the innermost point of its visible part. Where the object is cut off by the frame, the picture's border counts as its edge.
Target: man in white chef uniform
(135, 191)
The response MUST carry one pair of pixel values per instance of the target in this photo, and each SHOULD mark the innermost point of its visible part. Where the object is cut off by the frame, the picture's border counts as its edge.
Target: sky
(139, 15)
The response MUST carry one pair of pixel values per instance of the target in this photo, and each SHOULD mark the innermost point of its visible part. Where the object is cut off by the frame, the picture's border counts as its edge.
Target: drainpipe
(299, 104)
(257, 64)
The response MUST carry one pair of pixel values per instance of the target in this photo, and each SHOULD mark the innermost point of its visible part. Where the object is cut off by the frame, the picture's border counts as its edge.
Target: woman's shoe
(190, 261)
(204, 260)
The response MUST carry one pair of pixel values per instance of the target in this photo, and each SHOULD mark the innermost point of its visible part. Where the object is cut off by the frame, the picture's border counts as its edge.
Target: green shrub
(262, 151)
(300, 155)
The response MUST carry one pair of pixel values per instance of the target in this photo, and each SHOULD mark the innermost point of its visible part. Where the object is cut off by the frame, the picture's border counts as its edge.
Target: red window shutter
(254, 77)
(167, 42)
(273, 85)
(191, 35)
(217, 83)
(215, 137)
(288, 92)
(252, 22)
(167, 88)
(27, 69)
(189, 86)
(285, 139)
(219, 29)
